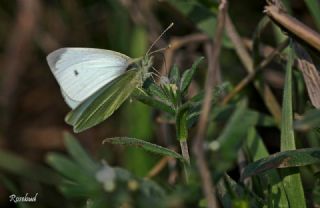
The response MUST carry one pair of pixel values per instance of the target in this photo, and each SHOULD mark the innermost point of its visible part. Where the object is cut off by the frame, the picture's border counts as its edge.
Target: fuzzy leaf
(174, 75)
(148, 100)
(188, 75)
(144, 145)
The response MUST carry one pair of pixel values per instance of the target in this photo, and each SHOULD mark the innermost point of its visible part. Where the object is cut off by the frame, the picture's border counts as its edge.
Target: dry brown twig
(293, 26)
(213, 65)
(158, 167)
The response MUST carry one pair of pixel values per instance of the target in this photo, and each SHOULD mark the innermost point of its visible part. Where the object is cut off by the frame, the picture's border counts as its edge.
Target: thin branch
(158, 167)
(293, 26)
(213, 65)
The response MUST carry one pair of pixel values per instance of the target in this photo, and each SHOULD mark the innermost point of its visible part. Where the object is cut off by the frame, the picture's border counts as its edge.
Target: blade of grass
(291, 176)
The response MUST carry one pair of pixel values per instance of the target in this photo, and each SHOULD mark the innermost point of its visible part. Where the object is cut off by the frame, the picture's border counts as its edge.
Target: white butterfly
(81, 72)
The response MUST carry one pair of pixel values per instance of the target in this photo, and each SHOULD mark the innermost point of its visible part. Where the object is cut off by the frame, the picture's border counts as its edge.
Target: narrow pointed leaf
(225, 148)
(188, 75)
(291, 177)
(144, 145)
(174, 74)
(151, 101)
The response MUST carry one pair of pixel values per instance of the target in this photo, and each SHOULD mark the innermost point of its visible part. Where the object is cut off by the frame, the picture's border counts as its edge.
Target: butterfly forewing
(81, 72)
(105, 101)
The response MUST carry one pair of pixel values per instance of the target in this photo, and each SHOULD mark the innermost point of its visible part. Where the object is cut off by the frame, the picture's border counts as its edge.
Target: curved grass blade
(285, 159)
(103, 103)
(144, 145)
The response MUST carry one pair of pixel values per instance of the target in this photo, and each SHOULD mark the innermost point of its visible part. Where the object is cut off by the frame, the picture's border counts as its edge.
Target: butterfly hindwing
(81, 72)
(104, 102)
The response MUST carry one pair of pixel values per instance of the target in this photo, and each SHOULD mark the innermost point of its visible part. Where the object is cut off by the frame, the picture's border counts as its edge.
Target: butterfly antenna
(160, 50)
(165, 64)
(159, 37)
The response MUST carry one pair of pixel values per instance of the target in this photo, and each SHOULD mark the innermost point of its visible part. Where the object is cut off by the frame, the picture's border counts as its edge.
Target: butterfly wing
(104, 102)
(81, 72)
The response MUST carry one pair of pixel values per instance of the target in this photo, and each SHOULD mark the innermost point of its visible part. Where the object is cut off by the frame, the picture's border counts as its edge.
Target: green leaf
(309, 121)
(78, 153)
(229, 192)
(271, 180)
(291, 176)
(16, 165)
(181, 123)
(174, 75)
(225, 148)
(188, 75)
(144, 145)
(153, 102)
(68, 168)
(156, 92)
(285, 159)
(103, 103)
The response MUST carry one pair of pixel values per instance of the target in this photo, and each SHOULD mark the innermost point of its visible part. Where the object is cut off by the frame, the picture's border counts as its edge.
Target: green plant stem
(185, 151)
(186, 157)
